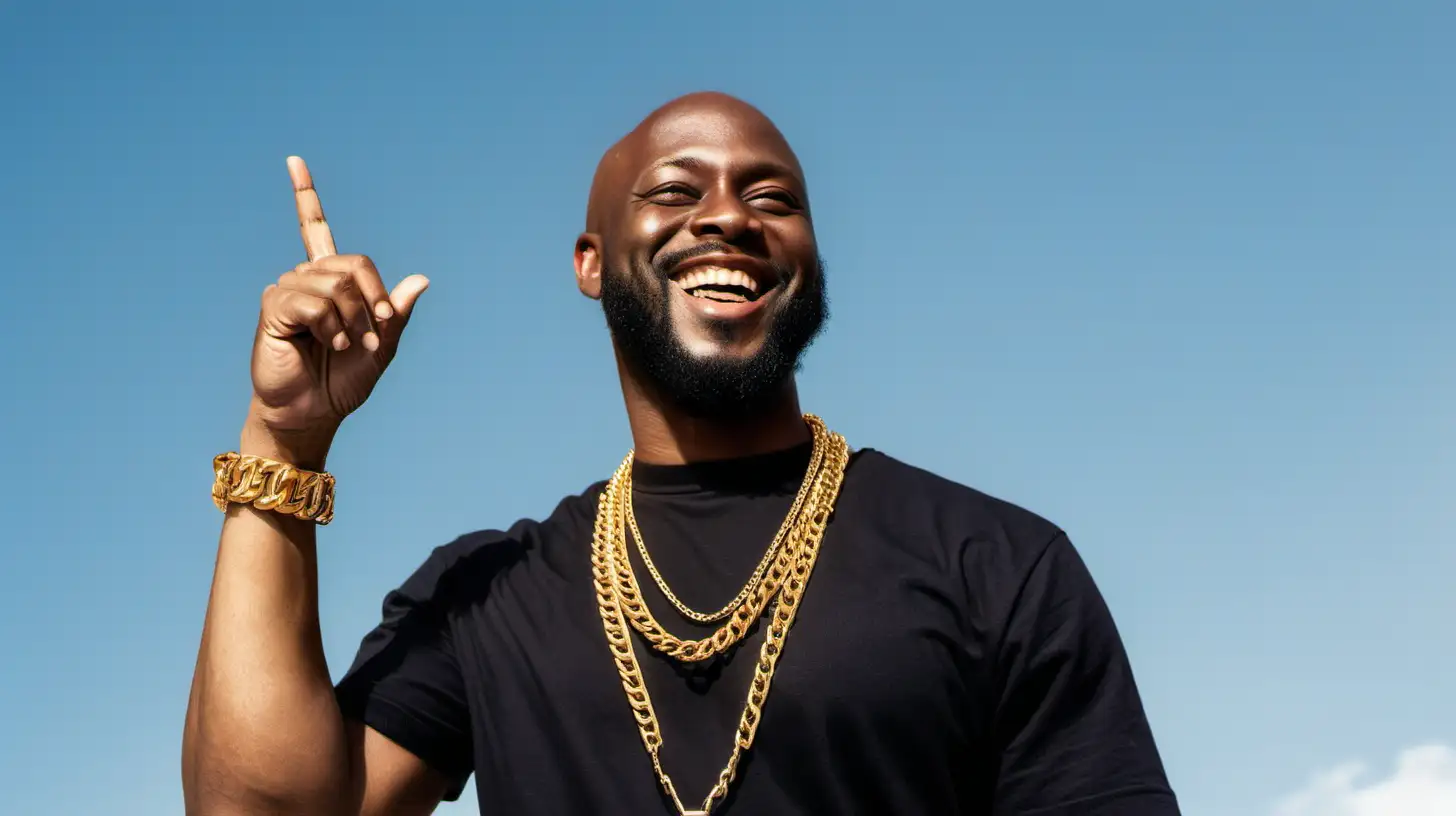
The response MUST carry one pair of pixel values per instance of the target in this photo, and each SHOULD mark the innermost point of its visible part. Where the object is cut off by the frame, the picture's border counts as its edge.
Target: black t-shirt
(951, 655)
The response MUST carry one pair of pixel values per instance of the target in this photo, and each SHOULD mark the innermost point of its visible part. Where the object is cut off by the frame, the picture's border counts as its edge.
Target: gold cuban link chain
(271, 485)
(743, 617)
(608, 546)
(640, 617)
(816, 460)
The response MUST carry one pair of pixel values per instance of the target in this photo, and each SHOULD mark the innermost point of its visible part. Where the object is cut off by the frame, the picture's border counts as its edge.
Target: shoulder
(958, 511)
(1010, 563)
(459, 570)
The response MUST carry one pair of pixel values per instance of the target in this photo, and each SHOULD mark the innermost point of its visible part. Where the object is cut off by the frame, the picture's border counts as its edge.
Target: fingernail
(371, 341)
(383, 310)
(341, 341)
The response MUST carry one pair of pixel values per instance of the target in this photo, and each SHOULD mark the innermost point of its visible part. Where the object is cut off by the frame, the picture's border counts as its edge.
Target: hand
(326, 332)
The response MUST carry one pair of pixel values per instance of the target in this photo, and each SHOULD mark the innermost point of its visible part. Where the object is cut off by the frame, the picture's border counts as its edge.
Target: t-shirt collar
(762, 473)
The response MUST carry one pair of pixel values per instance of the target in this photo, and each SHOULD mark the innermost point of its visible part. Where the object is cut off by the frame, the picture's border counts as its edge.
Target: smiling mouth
(719, 283)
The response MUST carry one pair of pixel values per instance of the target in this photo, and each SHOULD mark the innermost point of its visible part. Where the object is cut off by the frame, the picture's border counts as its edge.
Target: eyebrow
(758, 169)
(684, 163)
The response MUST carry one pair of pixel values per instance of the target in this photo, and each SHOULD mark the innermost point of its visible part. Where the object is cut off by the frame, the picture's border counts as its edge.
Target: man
(898, 644)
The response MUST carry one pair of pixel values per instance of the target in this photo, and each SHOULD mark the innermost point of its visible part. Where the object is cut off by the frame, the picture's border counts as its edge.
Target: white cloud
(1423, 783)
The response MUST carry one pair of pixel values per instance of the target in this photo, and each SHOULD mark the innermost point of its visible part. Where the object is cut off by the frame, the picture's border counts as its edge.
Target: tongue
(718, 294)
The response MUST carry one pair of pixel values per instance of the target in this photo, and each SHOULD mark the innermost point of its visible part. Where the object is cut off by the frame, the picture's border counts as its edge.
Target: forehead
(724, 138)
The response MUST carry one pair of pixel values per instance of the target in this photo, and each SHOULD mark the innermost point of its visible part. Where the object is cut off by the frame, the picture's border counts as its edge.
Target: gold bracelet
(270, 485)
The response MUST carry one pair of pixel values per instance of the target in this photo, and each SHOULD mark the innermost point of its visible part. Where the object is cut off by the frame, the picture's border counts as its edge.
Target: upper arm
(1069, 724)
(389, 780)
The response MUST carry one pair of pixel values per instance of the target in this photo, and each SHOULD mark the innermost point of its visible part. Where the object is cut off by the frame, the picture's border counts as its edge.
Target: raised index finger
(318, 241)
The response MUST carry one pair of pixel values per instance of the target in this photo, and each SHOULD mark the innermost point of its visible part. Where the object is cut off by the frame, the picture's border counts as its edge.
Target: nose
(725, 216)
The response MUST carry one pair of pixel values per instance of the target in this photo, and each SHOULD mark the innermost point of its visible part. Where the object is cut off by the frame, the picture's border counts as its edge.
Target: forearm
(264, 732)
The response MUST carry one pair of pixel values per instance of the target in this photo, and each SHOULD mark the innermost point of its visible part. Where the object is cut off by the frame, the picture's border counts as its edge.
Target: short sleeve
(406, 681)
(1069, 725)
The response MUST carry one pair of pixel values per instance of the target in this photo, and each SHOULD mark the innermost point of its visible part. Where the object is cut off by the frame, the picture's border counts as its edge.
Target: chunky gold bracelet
(270, 485)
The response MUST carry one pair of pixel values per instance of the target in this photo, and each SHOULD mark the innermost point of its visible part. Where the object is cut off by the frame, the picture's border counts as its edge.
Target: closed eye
(672, 195)
(778, 201)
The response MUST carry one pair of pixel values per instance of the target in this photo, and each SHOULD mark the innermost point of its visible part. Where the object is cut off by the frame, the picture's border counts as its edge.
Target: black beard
(711, 389)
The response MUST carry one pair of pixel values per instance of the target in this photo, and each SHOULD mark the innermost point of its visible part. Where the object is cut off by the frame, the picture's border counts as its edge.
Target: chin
(706, 339)
(709, 349)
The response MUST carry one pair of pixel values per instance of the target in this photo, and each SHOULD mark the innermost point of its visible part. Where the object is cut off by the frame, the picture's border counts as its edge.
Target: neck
(664, 435)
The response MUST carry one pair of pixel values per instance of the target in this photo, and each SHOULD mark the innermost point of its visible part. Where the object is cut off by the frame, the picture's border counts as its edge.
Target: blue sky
(1179, 280)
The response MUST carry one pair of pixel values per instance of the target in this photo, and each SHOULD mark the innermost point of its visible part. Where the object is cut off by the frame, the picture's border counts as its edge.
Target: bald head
(705, 116)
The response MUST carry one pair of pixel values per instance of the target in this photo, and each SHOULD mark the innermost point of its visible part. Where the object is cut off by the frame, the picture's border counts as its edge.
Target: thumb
(406, 293)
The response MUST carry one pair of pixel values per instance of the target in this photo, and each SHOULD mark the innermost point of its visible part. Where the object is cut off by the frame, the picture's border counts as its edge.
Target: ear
(588, 259)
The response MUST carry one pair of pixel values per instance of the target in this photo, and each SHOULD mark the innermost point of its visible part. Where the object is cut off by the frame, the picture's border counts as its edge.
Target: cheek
(806, 251)
(797, 246)
(650, 224)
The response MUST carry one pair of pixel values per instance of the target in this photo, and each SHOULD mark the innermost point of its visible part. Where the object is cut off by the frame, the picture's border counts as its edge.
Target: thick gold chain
(637, 613)
(268, 484)
(640, 616)
(609, 550)
(816, 460)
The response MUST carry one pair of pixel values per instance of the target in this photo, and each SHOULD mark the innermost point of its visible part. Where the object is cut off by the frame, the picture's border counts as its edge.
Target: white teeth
(715, 276)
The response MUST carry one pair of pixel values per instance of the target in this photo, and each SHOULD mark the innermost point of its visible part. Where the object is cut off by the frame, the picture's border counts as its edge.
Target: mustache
(668, 261)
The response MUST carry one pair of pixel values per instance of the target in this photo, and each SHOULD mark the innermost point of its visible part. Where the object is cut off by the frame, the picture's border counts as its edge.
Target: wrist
(303, 450)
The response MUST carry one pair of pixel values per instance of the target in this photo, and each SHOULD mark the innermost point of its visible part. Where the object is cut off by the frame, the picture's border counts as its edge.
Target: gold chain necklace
(609, 555)
(816, 459)
(736, 628)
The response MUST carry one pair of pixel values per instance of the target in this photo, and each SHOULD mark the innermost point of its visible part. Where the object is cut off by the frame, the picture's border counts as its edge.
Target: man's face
(711, 279)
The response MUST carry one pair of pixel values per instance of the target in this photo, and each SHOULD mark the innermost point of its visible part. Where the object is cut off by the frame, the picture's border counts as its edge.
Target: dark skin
(705, 168)
(264, 733)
